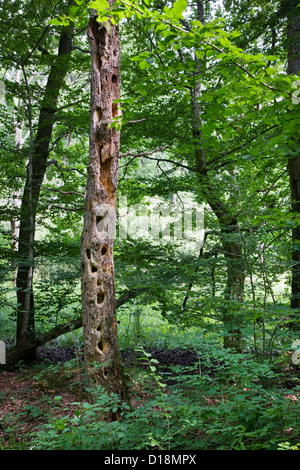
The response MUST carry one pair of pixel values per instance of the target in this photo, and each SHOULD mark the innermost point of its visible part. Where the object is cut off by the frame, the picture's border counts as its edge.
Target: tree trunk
(235, 265)
(228, 223)
(36, 170)
(294, 162)
(102, 354)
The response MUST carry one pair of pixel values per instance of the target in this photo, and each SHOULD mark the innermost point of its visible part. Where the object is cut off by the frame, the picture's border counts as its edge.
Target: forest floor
(27, 393)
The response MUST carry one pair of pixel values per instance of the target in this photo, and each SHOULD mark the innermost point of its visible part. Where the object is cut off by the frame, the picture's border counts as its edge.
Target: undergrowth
(226, 401)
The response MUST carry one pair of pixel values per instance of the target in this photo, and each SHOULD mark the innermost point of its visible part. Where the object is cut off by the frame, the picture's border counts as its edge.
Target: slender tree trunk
(36, 169)
(19, 140)
(232, 247)
(102, 354)
(235, 265)
(294, 162)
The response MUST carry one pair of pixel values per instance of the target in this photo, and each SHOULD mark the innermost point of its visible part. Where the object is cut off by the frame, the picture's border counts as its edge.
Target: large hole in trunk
(100, 297)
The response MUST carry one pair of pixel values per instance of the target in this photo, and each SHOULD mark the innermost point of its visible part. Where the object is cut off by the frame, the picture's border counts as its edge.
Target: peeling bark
(102, 355)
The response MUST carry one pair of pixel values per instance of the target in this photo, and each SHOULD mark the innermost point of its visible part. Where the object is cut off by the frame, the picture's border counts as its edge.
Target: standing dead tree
(102, 355)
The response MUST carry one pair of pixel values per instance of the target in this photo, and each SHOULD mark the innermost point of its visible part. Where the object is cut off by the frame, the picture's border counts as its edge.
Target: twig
(67, 208)
(137, 121)
(55, 163)
(63, 192)
(147, 155)
(136, 155)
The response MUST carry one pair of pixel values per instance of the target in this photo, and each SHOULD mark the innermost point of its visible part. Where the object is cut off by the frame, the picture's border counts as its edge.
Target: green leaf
(74, 11)
(225, 42)
(201, 54)
(56, 22)
(210, 53)
(86, 405)
(162, 385)
(119, 13)
(161, 27)
(99, 5)
(60, 426)
(207, 97)
(178, 8)
(102, 19)
(270, 71)
(144, 65)
(235, 34)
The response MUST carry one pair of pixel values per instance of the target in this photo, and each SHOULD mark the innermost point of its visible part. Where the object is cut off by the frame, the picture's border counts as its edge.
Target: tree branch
(55, 163)
(17, 352)
(63, 192)
(240, 147)
(63, 208)
(137, 121)
(136, 155)
(147, 155)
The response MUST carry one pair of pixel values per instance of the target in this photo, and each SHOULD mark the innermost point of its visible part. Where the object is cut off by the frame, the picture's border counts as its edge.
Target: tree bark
(102, 354)
(36, 170)
(293, 36)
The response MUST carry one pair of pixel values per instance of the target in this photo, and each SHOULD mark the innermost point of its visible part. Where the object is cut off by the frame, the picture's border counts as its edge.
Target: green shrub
(228, 401)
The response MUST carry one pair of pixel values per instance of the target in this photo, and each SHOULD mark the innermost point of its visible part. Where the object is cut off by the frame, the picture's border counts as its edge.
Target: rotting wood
(102, 355)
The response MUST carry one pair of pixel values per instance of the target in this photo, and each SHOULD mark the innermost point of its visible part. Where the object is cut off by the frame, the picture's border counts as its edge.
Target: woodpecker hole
(101, 346)
(100, 297)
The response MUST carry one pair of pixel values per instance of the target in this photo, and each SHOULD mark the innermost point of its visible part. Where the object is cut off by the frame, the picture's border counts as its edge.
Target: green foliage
(81, 430)
(226, 402)
(288, 446)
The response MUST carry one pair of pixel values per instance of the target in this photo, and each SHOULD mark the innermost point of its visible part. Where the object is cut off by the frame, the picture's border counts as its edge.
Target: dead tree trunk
(102, 354)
